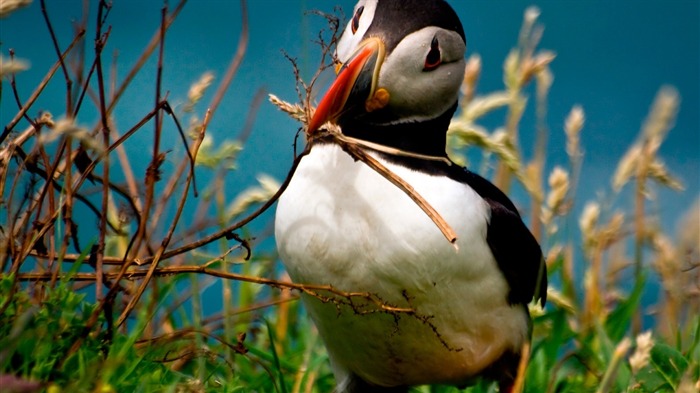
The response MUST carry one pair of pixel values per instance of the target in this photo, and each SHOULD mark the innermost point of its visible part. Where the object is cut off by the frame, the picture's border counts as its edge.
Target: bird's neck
(427, 137)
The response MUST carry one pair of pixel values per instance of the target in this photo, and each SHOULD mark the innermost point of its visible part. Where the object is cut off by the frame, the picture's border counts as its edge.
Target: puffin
(341, 224)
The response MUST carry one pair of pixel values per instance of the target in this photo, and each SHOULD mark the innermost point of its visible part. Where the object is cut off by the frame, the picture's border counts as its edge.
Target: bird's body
(340, 223)
(364, 234)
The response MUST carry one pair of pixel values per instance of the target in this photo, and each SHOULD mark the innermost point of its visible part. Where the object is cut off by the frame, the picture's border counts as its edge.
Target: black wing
(515, 248)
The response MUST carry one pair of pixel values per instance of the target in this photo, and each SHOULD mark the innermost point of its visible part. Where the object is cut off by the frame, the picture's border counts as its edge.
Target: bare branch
(35, 94)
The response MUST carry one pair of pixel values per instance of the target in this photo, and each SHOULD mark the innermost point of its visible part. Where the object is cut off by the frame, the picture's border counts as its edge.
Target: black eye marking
(356, 19)
(433, 59)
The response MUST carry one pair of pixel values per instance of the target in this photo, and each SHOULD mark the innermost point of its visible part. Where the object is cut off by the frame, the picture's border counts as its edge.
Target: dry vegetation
(100, 281)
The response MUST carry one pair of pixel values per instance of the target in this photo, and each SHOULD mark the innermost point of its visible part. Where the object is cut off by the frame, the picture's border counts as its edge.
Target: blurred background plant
(107, 248)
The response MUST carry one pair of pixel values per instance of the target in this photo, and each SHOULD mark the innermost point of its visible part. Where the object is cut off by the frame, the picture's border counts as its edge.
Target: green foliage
(221, 156)
(37, 337)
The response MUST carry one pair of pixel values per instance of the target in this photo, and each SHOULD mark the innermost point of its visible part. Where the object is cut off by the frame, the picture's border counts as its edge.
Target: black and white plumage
(340, 223)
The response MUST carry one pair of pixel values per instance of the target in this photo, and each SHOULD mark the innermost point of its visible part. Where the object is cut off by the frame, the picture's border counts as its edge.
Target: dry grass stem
(357, 152)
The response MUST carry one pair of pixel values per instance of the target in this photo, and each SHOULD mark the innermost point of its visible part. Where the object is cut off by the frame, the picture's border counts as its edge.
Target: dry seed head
(547, 216)
(531, 181)
(538, 67)
(543, 59)
(618, 261)
(623, 347)
(527, 40)
(47, 119)
(612, 231)
(661, 117)
(194, 127)
(589, 220)
(68, 128)
(510, 68)
(559, 186)
(554, 253)
(561, 300)
(255, 194)
(667, 262)
(296, 111)
(572, 128)
(614, 226)
(503, 148)
(640, 159)
(12, 65)
(198, 89)
(531, 15)
(468, 134)
(665, 248)
(544, 78)
(472, 71)
(659, 172)
(481, 106)
(9, 6)
(642, 353)
(627, 167)
(500, 137)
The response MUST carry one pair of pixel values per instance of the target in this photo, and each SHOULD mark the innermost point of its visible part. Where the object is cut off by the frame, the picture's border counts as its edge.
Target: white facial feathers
(361, 20)
(420, 94)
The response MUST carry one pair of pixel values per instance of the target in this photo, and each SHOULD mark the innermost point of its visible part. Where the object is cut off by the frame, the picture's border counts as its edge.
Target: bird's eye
(356, 19)
(433, 59)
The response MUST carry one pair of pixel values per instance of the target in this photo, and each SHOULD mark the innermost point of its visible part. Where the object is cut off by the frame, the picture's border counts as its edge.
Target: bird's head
(400, 62)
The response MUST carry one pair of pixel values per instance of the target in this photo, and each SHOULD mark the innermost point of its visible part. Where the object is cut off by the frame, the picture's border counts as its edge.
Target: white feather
(342, 224)
(349, 40)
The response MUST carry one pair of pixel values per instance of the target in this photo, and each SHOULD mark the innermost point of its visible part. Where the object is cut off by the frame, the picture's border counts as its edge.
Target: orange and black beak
(355, 85)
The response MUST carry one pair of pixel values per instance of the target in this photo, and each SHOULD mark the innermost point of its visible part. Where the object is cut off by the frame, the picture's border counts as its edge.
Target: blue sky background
(612, 57)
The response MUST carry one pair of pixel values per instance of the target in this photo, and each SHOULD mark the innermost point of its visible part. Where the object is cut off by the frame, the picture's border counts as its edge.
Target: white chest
(342, 224)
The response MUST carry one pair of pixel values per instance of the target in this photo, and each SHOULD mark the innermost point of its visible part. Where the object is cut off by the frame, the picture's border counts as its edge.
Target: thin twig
(231, 228)
(166, 241)
(153, 170)
(155, 40)
(15, 94)
(235, 62)
(316, 291)
(69, 82)
(355, 150)
(255, 105)
(100, 42)
(35, 94)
